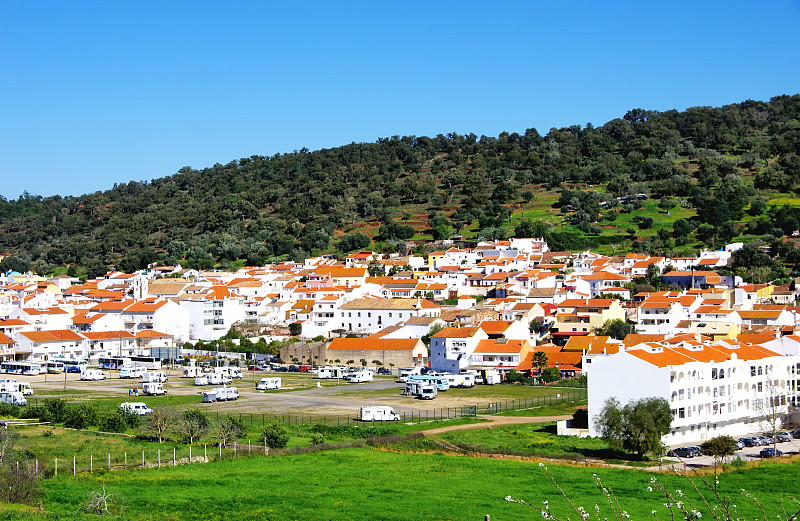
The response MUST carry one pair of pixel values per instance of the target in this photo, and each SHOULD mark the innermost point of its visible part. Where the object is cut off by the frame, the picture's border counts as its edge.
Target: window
(759, 371)
(681, 413)
(760, 388)
(714, 373)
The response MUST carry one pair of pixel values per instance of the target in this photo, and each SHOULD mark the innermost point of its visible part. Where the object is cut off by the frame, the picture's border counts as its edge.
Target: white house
(452, 347)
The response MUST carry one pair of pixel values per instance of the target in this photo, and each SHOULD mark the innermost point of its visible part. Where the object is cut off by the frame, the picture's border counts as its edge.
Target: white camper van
(360, 376)
(135, 408)
(92, 374)
(405, 372)
(227, 393)
(268, 383)
(421, 390)
(132, 372)
(378, 413)
(10, 385)
(201, 380)
(493, 377)
(153, 388)
(156, 376)
(331, 372)
(13, 398)
(192, 371)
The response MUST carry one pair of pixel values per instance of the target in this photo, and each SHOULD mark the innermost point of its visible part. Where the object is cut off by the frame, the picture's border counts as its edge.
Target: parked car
(281, 369)
(385, 371)
(135, 408)
(75, 368)
(739, 444)
(254, 368)
(682, 452)
(749, 442)
(783, 437)
(761, 440)
(294, 369)
(770, 452)
(796, 434)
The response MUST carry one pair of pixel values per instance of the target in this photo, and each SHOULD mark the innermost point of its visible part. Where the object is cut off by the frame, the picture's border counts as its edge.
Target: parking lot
(746, 454)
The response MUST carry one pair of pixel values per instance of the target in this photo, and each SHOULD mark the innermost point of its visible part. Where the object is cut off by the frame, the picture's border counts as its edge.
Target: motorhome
(209, 396)
(421, 390)
(230, 371)
(12, 398)
(460, 380)
(493, 377)
(201, 380)
(378, 413)
(132, 372)
(135, 408)
(192, 371)
(360, 376)
(405, 372)
(13, 385)
(227, 393)
(153, 388)
(476, 376)
(156, 376)
(440, 382)
(331, 372)
(268, 383)
(92, 374)
(218, 378)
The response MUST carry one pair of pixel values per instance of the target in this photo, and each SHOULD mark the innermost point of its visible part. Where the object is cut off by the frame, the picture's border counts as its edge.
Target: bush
(80, 416)
(116, 420)
(317, 438)
(55, 410)
(9, 411)
(275, 435)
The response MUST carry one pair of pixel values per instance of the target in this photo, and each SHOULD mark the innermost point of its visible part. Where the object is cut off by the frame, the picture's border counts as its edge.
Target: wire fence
(407, 416)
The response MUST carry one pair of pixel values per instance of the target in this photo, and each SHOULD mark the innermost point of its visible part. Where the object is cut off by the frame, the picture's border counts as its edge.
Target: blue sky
(97, 93)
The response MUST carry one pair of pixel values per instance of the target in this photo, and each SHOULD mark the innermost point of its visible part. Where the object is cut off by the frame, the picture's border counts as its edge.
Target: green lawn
(374, 484)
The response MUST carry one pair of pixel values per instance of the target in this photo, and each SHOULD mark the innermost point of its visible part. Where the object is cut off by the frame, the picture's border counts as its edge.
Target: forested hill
(712, 171)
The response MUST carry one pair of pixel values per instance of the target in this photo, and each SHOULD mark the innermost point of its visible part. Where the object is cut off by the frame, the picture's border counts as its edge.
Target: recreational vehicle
(201, 380)
(331, 372)
(378, 413)
(360, 376)
(405, 372)
(268, 383)
(440, 382)
(157, 376)
(220, 394)
(132, 372)
(12, 398)
(153, 388)
(92, 374)
(135, 408)
(192, 371)
(422, 390)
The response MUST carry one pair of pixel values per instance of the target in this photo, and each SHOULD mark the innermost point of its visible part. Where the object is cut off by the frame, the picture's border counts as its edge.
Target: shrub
(192, 424)
(55, 410)
(275, 435)
(317, 438)
(9, 411)
(80, 416)
(113, 421)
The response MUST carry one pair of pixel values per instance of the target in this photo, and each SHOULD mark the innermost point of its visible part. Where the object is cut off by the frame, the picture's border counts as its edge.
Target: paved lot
(747, 454)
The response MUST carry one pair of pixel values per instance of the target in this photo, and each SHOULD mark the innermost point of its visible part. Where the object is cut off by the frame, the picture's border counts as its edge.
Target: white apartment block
(725, 388)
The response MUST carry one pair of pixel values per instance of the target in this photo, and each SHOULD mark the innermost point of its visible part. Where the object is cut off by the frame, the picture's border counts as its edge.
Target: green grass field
(367, 483)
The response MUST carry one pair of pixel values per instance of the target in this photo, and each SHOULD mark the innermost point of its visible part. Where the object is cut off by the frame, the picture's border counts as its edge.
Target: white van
(25, 388)
(378, 413)
(331, 372)
(227, 393)
(139, 408)
(157, 376)
(421, 390)
(493, 377)
(209, 396)
(360, 376)
(132, 372)
(268, 383)
(92, 374)
(405, 372)
(201, 380)
(13, 398)
(192, 371)
(10, 386)
(153, 388)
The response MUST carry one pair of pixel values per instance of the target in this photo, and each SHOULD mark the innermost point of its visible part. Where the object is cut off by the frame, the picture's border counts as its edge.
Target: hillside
(710, 174)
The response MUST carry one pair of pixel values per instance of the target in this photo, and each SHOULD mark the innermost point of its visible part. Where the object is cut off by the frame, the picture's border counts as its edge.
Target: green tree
(615, 328)
(192, 424)
(719, 447)
(275, 435)
(637, 427)
(539, 360)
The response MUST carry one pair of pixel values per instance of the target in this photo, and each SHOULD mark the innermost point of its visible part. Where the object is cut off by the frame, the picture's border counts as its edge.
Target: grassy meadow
(368, 483)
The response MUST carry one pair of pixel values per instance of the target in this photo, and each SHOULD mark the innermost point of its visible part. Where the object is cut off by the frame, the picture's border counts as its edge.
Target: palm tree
(539, 360)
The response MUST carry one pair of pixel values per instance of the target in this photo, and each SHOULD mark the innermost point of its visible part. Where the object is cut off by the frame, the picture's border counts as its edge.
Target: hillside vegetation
(710, 174)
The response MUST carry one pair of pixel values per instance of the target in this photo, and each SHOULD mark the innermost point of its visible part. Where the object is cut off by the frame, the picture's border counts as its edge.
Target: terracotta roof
(394, 303)
(501, 346)
(107, 335)
(367, 344)
(55, 335)
(457, 332)
(5, 339)
(149, 333)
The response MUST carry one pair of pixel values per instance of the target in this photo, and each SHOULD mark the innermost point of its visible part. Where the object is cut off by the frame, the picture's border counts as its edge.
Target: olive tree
(637, 427)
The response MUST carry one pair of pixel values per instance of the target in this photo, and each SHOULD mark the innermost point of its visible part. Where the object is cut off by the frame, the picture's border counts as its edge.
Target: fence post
(142, 459)
(55, 468)
(73, 465)
(109, 461)
(126, 461)
(205, 453)
(159, 458)
(234, 449)
(248, 447)
(220, 451)
(91, 463)
(173, 456)
(190, 453)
